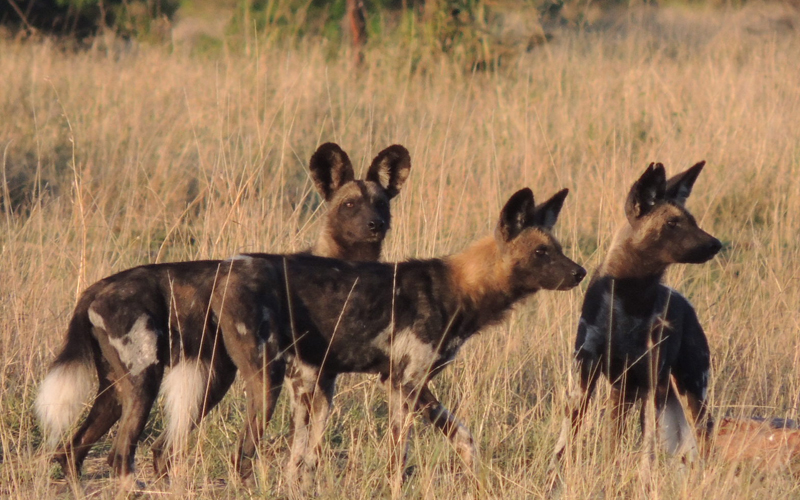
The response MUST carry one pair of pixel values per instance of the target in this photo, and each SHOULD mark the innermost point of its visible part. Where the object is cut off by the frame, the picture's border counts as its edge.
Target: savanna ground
(116, 156)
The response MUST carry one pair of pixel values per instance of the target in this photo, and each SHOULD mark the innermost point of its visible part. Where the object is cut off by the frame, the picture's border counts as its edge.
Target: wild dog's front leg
(311, 393)
(399, 426)
(443, 420)
(620, 406)
(258, 385)
(588, 372)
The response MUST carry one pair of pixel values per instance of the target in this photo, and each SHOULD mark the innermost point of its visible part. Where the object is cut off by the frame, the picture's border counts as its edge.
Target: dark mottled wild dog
(130, 326)
(643, 336)
(404, 321)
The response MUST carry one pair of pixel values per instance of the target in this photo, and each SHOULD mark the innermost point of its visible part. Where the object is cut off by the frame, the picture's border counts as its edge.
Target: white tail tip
(184, 390)
(62, 396)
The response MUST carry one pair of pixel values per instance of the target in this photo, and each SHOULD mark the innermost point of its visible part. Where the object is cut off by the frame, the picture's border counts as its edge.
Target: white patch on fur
(141, 350)
(62, 395)
(241, 328)
(705, 385)
(421, 356)
(184, 389)
(594, 339)
(245, 258)
(96, 319)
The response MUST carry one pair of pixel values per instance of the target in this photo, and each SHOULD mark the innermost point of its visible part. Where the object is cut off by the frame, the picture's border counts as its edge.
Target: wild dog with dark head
(130, 326)
(638, 332)
(404, 321)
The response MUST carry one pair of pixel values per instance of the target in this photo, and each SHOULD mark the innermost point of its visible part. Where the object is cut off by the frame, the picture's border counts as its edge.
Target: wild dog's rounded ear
(519, 212)
(390, 169)
(330, 169)
(646, 191)
(679, 187)
(546, 214)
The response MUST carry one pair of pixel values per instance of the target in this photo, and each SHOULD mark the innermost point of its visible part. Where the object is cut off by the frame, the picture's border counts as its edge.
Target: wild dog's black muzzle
(376, 225)
(714, 247)
(579, 274)
(703, 252)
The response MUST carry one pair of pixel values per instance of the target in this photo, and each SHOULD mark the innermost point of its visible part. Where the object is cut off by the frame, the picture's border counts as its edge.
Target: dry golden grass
(145, 155)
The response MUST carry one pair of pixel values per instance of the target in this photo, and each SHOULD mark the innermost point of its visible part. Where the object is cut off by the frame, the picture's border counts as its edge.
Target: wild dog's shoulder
(593, 323)
(678, 308)
(425, 271)
(597, 298)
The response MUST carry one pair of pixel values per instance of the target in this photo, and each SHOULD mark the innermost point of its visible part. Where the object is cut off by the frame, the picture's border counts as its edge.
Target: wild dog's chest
(632, 320)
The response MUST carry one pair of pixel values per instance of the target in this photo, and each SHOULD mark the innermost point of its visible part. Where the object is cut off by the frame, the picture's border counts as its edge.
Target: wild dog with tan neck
(131, 326)
(404, 321)
(642, 335)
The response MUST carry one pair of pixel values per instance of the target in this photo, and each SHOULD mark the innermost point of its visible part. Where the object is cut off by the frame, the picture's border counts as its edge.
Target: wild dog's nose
(579, 274)
(715, 246)
(376, 225)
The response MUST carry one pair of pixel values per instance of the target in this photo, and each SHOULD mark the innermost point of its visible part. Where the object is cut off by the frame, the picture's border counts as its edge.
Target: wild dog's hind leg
(104, 413)
(675, 433)
(138, 398)
(132, 355)
(692, 368)
(447, 423)
(211, 387)
(129, 342)
(311, 392)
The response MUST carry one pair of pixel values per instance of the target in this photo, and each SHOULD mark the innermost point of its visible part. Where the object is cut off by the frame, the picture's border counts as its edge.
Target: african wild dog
(130, 326)
(638, 332)
(404, 321)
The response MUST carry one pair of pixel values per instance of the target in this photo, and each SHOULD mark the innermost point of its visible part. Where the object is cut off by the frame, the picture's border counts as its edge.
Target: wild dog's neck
(328, 245)
(480, 277)
(626, 260)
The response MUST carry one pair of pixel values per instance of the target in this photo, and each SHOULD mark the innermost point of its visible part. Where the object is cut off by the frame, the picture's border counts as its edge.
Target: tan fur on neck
(479, 272)
(326, 246)
(623, 261)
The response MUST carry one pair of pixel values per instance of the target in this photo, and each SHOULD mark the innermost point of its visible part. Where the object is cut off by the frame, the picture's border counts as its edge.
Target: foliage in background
(82, 18)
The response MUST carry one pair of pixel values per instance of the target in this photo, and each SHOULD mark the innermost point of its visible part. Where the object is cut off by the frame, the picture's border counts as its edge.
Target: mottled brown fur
(133, 325)
(403, 321)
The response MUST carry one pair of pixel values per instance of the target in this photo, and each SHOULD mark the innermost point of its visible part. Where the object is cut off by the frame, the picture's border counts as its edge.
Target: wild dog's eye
(349, 204)
(672, 223)
(541, 251)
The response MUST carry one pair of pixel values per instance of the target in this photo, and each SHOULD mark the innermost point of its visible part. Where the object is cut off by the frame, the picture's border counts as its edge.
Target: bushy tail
(69, 382)
(184, 390)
